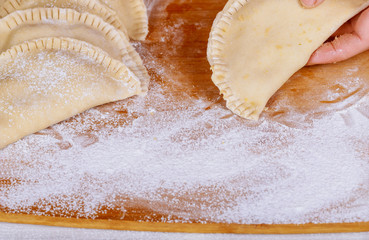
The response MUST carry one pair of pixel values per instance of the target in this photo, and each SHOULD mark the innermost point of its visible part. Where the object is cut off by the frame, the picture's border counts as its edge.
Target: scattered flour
(188, 159)
(191, 163)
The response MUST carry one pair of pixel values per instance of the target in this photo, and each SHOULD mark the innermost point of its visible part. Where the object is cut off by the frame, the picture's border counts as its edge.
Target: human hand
(349, 40)
(311, 3)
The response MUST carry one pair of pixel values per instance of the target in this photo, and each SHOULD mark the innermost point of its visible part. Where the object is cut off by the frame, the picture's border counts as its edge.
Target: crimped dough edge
(141, 21)
(116, 68)
(219, 66)
(103, 11)
(37, 15)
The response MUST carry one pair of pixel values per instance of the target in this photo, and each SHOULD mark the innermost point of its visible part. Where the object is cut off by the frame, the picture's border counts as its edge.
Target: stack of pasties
(61, 57)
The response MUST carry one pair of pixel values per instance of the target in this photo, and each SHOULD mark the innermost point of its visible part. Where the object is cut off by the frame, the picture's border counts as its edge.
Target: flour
(186, 158)
(178, 156)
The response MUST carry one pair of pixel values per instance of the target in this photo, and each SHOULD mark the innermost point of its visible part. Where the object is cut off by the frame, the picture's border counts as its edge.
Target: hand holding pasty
(255, 46)
(351, 39)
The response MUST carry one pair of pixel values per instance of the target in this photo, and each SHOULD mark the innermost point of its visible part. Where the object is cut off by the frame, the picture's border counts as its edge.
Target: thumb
(311, 3)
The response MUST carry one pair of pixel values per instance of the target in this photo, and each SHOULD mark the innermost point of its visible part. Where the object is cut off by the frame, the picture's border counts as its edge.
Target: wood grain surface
(177, 41)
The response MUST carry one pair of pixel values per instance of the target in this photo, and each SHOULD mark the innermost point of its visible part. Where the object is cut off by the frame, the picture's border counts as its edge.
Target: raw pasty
(47, 80)
(133, 14)
(25, 25)
(90, 6)
(256, 45)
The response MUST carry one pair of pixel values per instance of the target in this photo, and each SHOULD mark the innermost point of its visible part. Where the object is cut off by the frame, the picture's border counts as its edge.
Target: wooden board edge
(186, 227)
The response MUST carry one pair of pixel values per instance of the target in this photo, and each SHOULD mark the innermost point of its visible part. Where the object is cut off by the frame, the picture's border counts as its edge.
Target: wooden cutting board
(177, 43)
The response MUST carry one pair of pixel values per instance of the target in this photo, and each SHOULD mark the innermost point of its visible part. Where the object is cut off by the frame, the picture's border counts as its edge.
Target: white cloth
(11, 231)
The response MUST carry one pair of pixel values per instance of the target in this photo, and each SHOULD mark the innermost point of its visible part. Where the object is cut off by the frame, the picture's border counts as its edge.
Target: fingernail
(309, 3)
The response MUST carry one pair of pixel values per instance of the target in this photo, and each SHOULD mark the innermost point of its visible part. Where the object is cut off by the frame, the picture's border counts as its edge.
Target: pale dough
(133, 14)
(90, 6)
(48, 80)
(255, 46)
(25, 25)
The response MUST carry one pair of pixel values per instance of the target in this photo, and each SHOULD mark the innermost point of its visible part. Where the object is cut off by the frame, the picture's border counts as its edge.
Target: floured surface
(180, 155)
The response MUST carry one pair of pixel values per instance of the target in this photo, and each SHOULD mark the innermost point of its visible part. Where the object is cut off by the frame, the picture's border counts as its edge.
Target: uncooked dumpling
(90, 6)
(47, 80)
(133, 14)
(25, 25)
(255, 46)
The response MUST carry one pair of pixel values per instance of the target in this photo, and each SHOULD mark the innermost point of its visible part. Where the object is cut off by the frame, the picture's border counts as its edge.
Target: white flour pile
(192, 161)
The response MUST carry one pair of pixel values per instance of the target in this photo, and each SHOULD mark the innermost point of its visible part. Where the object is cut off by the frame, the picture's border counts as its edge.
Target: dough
(25, 25)
(90, 6)
(47, 80)
(133, 14)
(255, 46)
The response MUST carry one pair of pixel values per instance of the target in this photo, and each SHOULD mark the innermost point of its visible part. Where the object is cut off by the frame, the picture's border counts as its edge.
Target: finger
(345, 28)
(361, 24)
(350, 26)
(342, 48)
(346, 45)
(311, 3)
